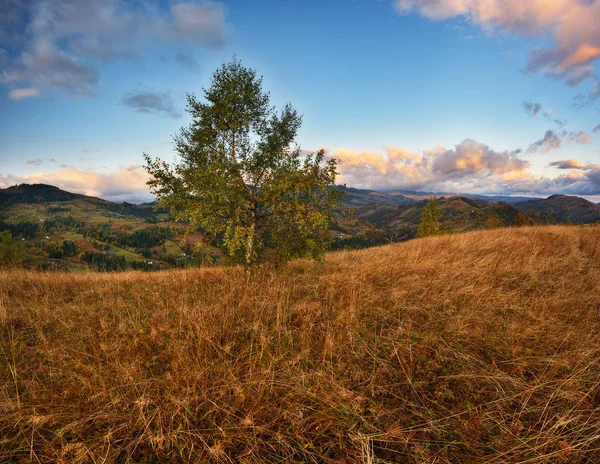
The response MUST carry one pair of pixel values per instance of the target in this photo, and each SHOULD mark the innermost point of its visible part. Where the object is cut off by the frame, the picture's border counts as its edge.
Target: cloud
(438, 168)
(35, 162)
(572, 25)
(20, 94)
(151, 103)
(204, 23)
(127, 184)
(580, 137)
(532, 109)
(596, 129)
(550, 141)
(568, 164)
(470, 167)
(185, 60)
(58, 44)
(553, 140)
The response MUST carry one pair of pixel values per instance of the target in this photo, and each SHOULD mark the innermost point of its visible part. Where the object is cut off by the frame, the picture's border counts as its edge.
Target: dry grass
(482, 347)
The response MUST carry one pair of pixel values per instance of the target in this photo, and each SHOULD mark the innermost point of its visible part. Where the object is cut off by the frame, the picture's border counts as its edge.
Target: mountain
(42, 194)
(67, 230)
(361, 197)
(499, 198)
(459, 214)
(64, 230)
(418, 195)
(563, 208)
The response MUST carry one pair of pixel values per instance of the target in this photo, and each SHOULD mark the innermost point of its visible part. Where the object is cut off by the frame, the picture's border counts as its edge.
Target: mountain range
(60, 228)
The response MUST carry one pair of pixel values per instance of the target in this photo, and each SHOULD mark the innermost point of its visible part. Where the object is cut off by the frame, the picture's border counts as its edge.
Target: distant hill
(45, 194)
(67, 230)
(459, 214)
(418, 195)
(57, 229)
(361, 197)
(563, 208)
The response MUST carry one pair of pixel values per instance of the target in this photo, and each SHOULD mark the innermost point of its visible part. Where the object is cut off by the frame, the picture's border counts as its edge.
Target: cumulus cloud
(35, 162)
(438, 168)
(20, 94)
(572, 24)
(127, 184)
(470, 167)
(65, 40)
(151, 103)
(533, 108)
(596, 129)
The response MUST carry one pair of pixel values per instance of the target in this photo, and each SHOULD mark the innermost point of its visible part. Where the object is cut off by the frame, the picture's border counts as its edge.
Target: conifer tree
(430, 220)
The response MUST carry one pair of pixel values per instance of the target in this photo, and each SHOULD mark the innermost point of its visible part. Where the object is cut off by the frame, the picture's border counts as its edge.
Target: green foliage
(241, 178)
(22, 229)
(58, 250)
(430, 220)
(10, 254)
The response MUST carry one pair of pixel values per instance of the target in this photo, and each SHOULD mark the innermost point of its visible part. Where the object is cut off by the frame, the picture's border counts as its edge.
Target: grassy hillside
(60, 230)
(471, 348)
(563, 208)
(458, 214)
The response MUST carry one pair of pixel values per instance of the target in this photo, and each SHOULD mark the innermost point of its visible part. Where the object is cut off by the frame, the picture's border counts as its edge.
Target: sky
(463, 96)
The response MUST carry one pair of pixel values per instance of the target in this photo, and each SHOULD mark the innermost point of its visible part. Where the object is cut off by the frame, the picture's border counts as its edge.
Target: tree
(242, 180)
(430, 220)
(521, 219)
(10, 254)
(494, 222)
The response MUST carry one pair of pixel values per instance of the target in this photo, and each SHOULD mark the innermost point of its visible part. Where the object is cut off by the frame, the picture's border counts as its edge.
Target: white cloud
(439, 168)
(20, 94)
(65, 40)
(470, 167)
(572, 24)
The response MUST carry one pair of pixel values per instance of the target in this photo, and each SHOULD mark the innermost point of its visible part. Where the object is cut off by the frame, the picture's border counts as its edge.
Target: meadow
(469, 348)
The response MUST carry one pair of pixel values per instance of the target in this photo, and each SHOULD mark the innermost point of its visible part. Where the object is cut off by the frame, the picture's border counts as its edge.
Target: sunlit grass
(472, 348)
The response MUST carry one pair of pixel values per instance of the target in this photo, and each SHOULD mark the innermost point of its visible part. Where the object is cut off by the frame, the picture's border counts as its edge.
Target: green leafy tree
(242, 180)
(430, 220)
(10, 253)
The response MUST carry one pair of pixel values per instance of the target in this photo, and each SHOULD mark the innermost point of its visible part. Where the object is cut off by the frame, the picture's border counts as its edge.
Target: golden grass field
(471, 348)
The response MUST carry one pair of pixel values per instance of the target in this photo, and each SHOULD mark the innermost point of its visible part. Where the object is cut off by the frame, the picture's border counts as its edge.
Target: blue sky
(495, 96)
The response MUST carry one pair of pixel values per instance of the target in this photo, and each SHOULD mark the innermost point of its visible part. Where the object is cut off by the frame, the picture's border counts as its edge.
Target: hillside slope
(473, 348)
(61, 230)
(563, 208)
(458, 214)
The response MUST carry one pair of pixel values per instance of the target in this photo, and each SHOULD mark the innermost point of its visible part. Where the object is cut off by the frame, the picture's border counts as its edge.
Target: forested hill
(56, 229)
(59, 229)
(33, 194)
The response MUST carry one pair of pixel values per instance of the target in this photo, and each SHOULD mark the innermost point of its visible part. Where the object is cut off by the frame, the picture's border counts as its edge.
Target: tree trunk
(250, 245)
(251, 235)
